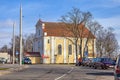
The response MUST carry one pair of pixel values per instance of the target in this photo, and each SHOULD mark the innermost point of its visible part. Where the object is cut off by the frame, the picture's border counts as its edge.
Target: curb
(3, 72)
(18, 68)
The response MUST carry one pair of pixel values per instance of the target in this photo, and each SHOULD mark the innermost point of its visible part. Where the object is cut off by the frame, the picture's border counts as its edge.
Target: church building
(54, 46)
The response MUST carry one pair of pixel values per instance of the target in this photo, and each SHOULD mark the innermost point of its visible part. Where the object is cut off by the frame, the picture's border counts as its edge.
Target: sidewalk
(11, 68)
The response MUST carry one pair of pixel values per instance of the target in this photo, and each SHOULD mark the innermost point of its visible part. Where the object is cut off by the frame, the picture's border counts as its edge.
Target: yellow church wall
(48, 51)
(83, 45)
(59, 58)
(70, 56)
(90, 48)
(67, 56)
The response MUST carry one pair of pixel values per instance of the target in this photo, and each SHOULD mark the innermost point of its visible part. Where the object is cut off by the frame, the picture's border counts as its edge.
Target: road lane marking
(70, 70)
(60, 77)
(64, 74)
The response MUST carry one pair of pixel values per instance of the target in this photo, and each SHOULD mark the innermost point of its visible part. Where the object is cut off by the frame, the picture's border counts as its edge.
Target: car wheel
(106, 67)
(95, 67)
(79, 64)
(102, 67)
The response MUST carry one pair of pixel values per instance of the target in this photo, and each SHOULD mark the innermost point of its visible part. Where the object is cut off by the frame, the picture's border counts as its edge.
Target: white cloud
(103, 4)
(6, 23)
(5, 38)
(5, 42)
(111, 3)
(110, 22)
(4, 35)
(117, 33)
(5, 31)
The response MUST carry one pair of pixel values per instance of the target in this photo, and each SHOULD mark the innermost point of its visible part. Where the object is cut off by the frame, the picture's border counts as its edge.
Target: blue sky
(106, 12)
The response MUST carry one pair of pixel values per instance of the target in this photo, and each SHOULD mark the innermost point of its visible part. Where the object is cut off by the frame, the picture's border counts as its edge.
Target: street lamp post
(13, 44)
(20, 35)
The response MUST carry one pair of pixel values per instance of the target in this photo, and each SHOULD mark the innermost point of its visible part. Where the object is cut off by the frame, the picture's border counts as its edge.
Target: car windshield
(27, 59)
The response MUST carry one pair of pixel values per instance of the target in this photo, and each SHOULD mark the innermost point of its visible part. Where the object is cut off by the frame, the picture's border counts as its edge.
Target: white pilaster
(45, 44)
(85, 41)
(52, 50)
(55, 53)
(74, 54)
(65, 50)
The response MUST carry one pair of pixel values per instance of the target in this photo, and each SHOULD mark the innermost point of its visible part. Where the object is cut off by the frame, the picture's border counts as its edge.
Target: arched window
(59, 49)
(48, 41)
(39, 32)
(38, 44)
(70, 49)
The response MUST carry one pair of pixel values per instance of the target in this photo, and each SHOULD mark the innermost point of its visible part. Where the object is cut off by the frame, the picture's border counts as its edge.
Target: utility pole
(20, 35)
(13, 43)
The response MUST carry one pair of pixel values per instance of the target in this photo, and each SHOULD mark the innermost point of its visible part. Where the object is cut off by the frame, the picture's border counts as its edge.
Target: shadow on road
(101, 73)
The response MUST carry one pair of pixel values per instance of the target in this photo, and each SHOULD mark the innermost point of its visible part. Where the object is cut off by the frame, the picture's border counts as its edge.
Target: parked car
(103, 63)
(26, 60)
(91, 64)
(3, 60)
(86, 61)
(113, 62)
(117, 69)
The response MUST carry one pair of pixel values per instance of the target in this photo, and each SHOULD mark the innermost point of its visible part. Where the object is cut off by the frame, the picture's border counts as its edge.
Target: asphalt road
(59, 72)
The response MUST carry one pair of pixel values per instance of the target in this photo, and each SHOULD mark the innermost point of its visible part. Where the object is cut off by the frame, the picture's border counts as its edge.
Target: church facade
(54, 46)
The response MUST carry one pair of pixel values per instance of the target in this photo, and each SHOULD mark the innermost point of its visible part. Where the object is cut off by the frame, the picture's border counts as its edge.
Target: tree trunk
(85, 48)
(81, 48)
(76, 51)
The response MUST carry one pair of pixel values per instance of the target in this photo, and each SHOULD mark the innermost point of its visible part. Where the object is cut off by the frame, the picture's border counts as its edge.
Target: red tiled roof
(60, 30)
(32, 54)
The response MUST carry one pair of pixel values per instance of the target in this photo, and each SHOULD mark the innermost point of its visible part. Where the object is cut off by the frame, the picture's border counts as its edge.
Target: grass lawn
(4, 68)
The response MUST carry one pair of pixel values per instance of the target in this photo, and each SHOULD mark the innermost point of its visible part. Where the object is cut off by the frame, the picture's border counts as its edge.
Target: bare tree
(17, 46)
(29, 43)
(75, 21)
(106, 43)
(111, 43)
(93, 27)
(100, 42)
(4, 49)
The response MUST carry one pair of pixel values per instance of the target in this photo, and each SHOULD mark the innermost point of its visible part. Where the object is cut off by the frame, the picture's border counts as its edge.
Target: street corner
(3, 72)
(12, 69)
(19, 68)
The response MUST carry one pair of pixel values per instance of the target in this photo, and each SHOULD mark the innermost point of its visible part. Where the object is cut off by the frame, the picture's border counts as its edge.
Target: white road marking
(64, 74)
(70, 70)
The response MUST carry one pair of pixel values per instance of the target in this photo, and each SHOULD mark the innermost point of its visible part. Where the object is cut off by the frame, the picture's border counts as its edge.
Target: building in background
(6, 56)
(52, 43)
(33, 56)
